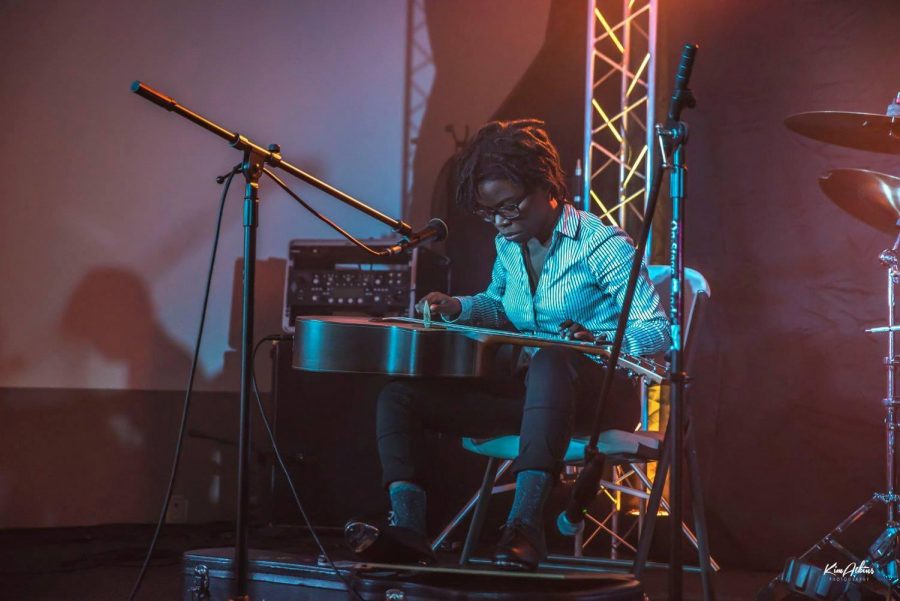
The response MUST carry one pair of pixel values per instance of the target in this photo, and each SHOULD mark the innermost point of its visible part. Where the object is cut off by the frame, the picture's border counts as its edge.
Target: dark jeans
(555, 400)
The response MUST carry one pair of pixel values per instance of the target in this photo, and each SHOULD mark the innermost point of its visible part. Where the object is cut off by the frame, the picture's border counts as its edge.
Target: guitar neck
(644, 367)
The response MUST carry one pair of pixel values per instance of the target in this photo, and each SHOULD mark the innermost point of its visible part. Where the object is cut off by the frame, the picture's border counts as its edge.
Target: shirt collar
(568, 221)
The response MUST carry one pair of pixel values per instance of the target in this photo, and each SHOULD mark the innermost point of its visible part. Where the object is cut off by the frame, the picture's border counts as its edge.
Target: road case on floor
(276, 576)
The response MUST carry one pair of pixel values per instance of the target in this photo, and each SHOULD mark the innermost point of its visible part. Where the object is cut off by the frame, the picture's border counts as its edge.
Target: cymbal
(863, 131)
(871, 197)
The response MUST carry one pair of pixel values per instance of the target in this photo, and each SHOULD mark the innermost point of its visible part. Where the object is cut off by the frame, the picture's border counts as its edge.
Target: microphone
(681, 96)
(436, 230)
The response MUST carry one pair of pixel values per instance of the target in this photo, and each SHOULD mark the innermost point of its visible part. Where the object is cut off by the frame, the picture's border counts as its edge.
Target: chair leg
(685, 529)
(700, 540)
(659, 483)
(484, 497)
(470, 504)
(617, 505)
(578, 543)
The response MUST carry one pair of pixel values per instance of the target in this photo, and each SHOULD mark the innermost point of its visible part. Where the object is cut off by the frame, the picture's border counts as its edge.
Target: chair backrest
(696, 295)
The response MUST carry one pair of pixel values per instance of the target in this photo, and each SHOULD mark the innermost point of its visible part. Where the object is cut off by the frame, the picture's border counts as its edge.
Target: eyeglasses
(508, 210)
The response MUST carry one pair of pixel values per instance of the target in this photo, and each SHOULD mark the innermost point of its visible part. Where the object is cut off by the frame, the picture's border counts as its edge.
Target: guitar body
(399, 346)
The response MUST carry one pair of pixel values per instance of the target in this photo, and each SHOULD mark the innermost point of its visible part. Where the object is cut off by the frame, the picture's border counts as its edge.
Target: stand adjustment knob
(680, 377)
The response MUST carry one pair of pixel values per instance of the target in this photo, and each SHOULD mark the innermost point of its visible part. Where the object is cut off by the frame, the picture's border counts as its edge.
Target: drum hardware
(874, 199)
(869, 196)
(861, 131)
(882, 329)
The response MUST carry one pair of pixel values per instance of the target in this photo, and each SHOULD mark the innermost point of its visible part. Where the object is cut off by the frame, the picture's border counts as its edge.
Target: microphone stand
(672, 138)
(254, 159)
(675, 135)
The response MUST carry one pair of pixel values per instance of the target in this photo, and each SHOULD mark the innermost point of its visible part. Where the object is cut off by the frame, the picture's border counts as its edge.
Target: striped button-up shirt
(583, 279)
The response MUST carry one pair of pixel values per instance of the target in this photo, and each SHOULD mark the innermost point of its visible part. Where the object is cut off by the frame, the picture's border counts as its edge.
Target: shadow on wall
(111, 311)
(106, 443)
(267, 309)
(9, 364)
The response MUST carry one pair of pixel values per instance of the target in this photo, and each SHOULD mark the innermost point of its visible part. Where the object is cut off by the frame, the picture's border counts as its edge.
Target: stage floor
(100, 563)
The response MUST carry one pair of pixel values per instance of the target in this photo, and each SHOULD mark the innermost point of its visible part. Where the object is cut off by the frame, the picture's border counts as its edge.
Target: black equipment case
(277, 576)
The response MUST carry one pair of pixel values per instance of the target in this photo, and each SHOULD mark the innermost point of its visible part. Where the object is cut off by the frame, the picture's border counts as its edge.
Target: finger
(575, 327)
(428, 298)
(420, 306)
(441, 306)
(577, 331)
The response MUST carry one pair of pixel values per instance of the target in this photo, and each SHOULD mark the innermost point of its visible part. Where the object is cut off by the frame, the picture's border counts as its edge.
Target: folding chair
(631, 449)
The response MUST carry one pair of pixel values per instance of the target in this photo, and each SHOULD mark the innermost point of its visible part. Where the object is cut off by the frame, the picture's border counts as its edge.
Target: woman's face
(536, 209)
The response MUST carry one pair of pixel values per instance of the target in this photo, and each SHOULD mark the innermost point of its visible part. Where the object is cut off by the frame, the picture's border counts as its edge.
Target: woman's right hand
(441, 304)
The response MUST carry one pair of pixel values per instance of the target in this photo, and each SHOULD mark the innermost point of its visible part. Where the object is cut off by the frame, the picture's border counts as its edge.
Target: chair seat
(616, 444)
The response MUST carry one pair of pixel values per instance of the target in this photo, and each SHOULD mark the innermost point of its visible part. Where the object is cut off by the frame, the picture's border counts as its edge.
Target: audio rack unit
(333, 277)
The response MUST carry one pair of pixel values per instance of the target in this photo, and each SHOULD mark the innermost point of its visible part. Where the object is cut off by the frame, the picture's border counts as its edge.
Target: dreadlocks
(519, 151)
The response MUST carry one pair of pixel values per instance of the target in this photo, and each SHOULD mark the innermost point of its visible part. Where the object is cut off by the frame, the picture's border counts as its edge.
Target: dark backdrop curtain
(787, 402)
(789, 390)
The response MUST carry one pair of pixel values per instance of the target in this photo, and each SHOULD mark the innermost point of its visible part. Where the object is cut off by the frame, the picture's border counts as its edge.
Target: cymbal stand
(881, 561)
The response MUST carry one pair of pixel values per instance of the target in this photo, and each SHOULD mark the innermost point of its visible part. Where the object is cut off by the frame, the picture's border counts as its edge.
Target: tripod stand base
(877, 570)
(812, 582)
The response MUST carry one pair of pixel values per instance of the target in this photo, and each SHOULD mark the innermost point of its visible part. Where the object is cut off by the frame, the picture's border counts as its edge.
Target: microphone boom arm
(271, 155)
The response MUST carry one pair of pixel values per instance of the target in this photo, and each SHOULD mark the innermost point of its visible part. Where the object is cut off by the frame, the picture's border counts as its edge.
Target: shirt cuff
(465, 313)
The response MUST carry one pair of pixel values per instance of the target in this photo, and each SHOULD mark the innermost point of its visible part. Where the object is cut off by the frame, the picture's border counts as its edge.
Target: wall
(787, 402)
(109, 223)
(109, 219)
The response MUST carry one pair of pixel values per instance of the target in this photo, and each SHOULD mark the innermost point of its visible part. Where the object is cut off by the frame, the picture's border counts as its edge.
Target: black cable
(339, 229)
(287, 474)
(187, 397)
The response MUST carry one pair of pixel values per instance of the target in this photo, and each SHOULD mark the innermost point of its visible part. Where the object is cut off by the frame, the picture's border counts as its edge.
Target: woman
(558, 270)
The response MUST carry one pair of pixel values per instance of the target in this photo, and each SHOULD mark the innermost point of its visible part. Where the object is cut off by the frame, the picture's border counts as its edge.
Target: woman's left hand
(572, 330)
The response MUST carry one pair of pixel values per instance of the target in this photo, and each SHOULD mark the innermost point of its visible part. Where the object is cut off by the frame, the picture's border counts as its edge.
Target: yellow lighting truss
(619, 101)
